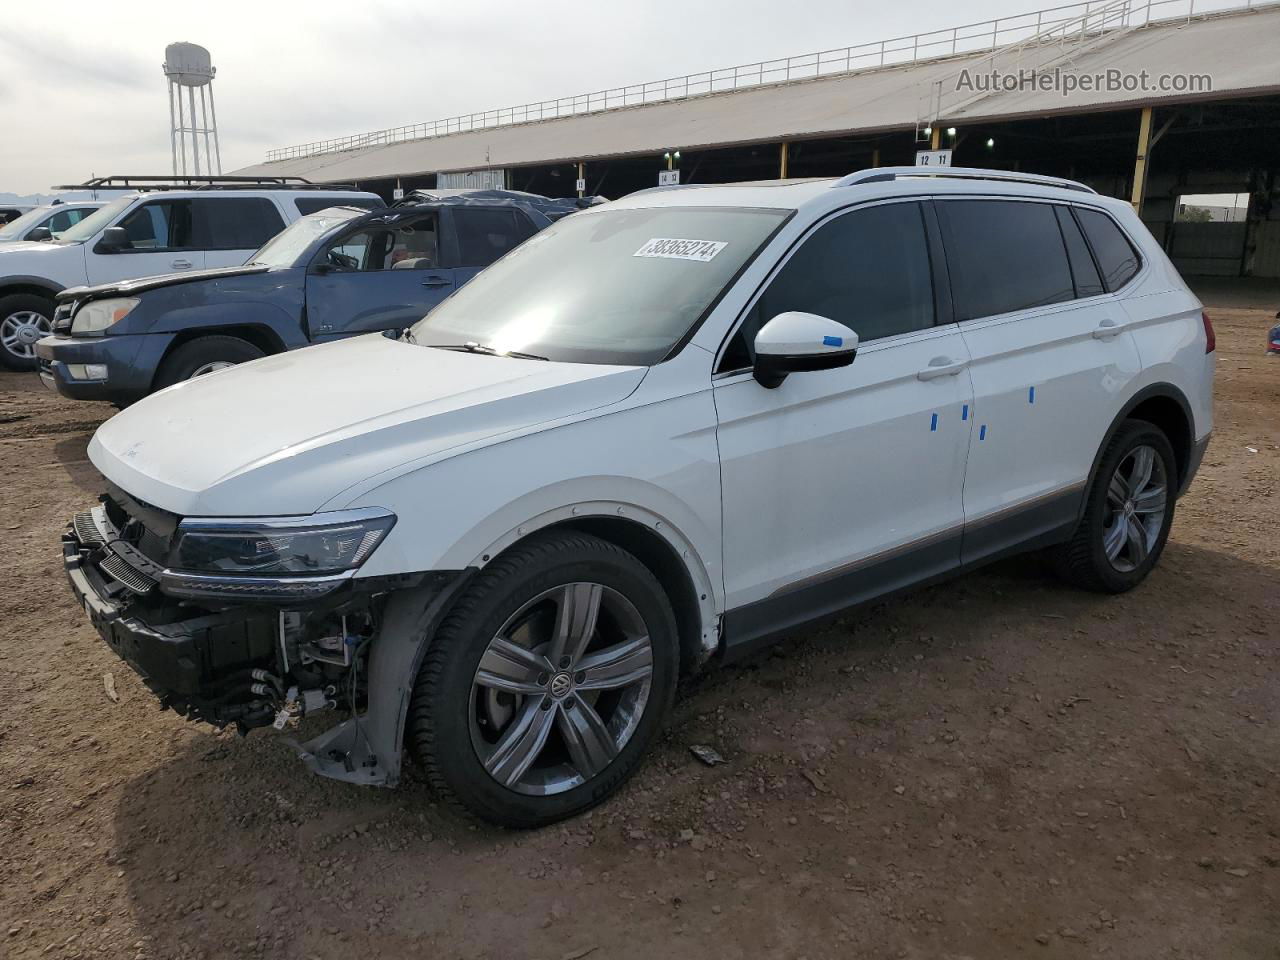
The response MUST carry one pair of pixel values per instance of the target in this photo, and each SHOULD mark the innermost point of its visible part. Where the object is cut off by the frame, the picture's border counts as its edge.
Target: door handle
(1107, 329)
(180, 264)
(436, 282)
(942, 367)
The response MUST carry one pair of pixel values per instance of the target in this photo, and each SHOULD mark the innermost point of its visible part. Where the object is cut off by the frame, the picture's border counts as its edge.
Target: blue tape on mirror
(833, 341)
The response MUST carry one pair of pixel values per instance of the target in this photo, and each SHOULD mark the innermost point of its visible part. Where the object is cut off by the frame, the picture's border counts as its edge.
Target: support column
(581, 177)
(1140, 164)
(935, 139)
(782, 160)
(875, 156)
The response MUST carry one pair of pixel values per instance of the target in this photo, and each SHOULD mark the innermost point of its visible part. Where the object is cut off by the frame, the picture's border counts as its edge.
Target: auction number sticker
(672, 249)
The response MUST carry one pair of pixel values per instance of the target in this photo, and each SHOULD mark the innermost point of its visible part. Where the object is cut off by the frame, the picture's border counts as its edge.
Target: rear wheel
(204, 355)
(547, 683)
(1128, 515)
(24, 319)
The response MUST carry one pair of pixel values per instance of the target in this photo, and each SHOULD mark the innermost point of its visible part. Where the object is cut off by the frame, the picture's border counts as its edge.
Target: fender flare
(22, 280)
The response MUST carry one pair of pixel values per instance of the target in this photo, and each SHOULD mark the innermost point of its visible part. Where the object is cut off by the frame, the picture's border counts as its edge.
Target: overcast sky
(81, 89)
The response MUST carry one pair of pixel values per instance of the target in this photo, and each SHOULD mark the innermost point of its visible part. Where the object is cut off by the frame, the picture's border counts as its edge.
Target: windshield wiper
(472, 347)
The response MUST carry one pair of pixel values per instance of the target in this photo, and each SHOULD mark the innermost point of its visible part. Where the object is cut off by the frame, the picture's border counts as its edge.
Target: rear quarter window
(308, 205)
(235, 223)
(1117, 259)
(1003, 256)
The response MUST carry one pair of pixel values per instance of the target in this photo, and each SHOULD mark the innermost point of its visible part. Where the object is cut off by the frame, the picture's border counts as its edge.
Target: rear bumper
(131, 361)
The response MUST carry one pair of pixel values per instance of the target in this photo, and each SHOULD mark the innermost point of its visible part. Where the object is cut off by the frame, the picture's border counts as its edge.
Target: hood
(127, 287)
(288, 433)
(13, 247)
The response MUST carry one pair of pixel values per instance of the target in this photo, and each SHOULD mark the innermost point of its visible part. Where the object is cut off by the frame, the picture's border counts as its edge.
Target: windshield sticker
(700, 250)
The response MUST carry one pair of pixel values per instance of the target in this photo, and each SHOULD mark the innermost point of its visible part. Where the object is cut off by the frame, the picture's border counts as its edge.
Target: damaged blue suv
(334, 273)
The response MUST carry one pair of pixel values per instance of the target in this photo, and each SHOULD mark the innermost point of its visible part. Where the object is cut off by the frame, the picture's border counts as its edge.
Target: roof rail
(879, 174)
(141, 182)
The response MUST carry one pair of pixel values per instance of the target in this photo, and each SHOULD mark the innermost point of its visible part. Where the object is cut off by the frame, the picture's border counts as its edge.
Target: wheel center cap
(1128, 508)
(28, 333)
(561, 685)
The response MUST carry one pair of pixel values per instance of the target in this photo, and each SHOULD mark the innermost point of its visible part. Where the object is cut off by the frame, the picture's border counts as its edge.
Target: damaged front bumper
(260, 664)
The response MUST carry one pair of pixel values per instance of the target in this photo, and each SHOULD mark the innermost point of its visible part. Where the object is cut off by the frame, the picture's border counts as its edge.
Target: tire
(24, 318)
(461, 727)
(1087, 559)
(193, 357)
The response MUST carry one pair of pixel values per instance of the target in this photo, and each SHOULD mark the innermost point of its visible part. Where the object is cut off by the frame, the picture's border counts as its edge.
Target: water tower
(188, 69)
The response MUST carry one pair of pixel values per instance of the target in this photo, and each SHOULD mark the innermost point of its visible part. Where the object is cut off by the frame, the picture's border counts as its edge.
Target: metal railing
(985, 36)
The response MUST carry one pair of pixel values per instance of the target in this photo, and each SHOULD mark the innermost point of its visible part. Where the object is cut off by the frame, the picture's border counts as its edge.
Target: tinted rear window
(308, 205)
(1004, 255)
(235, 223)
(1115, 254)
(484, 235)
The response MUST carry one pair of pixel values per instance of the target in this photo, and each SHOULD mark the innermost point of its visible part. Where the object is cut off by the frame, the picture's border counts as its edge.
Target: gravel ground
(995, 767)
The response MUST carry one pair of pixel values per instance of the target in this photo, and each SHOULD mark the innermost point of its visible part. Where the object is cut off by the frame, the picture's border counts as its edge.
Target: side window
(161, 225)
(1004, 255)
(308, 205)
(867, 269)
(1116, 257)
(1083, 270)
(235, 223)
(486, 234)
(60, 221)
(414, 246)
(410, 245)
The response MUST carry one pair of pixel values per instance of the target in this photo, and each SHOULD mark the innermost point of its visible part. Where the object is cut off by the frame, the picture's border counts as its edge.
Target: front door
(160, 241)
(843, 484)
(382, 277)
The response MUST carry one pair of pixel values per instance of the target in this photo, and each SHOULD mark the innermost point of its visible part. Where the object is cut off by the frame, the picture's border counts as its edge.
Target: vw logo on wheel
(561, 684)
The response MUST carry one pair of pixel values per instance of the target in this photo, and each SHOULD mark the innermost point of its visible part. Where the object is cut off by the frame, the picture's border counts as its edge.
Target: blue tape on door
(964, 412)
(1031, 395)
(982, 433)
(934, 425)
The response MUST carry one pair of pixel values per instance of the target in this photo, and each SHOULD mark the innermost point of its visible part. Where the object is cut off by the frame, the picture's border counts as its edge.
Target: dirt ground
(995, 767)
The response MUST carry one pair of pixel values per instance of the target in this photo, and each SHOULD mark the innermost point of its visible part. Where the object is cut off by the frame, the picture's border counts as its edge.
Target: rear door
(382, 276)
(231, 229)
(160, 241)
(1049, 361)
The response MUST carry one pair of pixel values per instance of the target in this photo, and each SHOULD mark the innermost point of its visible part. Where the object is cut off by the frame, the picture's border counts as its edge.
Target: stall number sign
(397, 194)
(668, 178)
(933, 158)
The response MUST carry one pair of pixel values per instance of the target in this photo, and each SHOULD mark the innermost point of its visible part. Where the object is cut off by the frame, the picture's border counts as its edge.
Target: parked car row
(654, 435)
(334, 273)
(142, 234)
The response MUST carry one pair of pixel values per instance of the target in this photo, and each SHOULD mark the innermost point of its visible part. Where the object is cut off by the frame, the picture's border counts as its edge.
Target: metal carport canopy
(1234, 49)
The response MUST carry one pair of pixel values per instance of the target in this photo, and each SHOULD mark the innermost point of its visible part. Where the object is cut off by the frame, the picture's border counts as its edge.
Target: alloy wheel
(560, 689)
(20, 331)
(212, 366)
(1136, 500)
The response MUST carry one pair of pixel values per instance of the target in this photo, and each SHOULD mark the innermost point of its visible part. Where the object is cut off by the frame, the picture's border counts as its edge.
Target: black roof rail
(143, 182)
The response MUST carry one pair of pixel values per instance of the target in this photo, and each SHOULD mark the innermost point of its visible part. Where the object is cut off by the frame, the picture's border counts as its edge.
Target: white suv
(638, 443)
(165, 228)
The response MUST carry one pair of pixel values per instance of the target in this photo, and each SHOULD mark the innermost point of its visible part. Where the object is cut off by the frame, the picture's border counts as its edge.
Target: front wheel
(203, 355)
(24, 320)
(547, 682)
(1128, 514)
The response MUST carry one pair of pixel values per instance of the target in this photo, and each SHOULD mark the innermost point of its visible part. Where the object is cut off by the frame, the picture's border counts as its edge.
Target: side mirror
(40, 233)
(114, 239)
(795, 342)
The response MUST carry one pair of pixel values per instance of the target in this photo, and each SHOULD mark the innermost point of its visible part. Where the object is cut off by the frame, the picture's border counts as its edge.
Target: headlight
(273, 558)
(96, 315)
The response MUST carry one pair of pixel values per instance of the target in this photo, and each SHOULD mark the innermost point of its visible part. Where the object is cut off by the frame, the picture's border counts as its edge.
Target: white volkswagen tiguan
(662, 432)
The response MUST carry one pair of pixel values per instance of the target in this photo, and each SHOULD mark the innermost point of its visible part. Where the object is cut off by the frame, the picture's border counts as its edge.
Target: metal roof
(891, 98)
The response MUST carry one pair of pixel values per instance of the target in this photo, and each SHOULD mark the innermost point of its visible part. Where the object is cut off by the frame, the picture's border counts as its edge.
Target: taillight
(1210, 339)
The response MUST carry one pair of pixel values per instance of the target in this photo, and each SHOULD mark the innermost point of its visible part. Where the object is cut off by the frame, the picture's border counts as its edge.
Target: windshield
(618, 286)
(14, 229)
(284, 249)
(90, 225)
